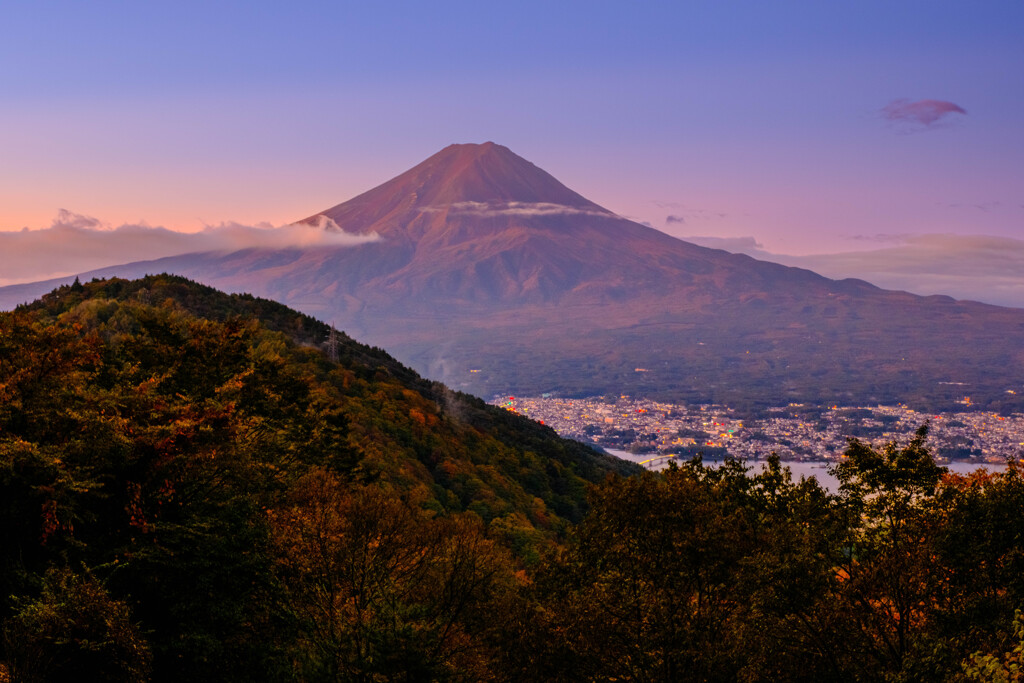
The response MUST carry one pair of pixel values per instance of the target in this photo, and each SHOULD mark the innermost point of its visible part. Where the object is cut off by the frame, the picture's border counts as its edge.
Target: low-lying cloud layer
(919, 115)
(76, 244)
(982, 268)
(975, 267)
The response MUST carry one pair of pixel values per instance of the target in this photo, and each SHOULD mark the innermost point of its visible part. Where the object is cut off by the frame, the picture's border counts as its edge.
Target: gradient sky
(812, 127)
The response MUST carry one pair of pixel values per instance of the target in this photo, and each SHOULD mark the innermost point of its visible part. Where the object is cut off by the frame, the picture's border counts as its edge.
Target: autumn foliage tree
(722, 574)
(74, 631)
(381, 590)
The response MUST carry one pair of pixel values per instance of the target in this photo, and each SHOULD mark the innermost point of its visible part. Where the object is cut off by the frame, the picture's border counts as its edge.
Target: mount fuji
(493, 276)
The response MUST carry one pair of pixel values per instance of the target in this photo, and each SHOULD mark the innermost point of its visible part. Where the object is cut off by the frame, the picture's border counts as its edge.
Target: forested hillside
(170, 450)
(193, 486)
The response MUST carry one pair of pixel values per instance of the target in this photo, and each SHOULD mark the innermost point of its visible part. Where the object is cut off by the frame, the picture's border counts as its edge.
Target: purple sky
(810, 127)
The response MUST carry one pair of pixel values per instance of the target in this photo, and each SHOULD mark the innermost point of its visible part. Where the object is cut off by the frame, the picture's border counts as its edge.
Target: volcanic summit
(475, 223)
(459, 178)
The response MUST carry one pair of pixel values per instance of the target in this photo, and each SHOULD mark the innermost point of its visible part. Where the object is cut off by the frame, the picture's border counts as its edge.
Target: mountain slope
(495, 277)
(479, 224)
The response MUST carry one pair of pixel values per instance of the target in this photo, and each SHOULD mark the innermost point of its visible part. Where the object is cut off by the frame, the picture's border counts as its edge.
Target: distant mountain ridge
(493, 276)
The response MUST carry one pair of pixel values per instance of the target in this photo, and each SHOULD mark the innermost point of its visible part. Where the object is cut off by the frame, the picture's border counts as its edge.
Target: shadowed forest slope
(169, 442)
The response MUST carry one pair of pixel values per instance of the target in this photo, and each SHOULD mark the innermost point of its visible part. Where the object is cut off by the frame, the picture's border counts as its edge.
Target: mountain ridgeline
(491, 275)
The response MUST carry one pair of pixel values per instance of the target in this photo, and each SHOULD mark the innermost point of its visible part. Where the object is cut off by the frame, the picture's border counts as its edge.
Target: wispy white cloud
(880, 238)
(515, 209)
(75, 243)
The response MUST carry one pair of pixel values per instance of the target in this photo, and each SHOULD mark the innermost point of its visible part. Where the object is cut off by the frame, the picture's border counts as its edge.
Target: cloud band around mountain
(515, 209)
(75, 243)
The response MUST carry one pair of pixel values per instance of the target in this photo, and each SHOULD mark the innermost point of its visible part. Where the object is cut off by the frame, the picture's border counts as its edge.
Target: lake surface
(818, 470)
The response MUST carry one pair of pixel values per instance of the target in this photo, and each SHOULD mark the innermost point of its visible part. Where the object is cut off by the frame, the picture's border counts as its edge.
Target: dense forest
(196, 486)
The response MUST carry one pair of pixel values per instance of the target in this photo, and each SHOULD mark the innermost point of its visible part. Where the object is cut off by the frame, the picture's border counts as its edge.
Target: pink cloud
(924, 113)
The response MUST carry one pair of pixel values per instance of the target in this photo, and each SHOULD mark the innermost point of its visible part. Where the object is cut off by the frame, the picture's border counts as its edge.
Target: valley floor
(795, 432)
